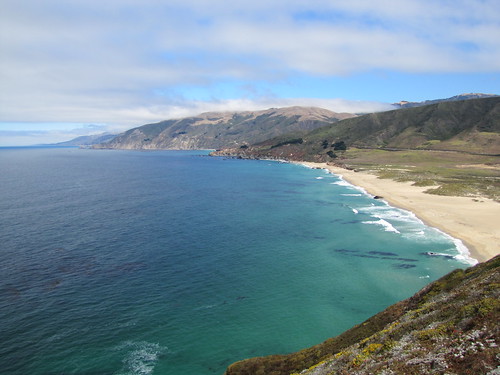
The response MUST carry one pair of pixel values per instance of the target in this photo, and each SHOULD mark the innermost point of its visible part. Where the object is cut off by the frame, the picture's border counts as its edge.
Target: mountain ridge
(212, 130)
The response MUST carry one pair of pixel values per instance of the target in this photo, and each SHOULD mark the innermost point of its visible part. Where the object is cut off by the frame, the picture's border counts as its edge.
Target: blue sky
(76, 67)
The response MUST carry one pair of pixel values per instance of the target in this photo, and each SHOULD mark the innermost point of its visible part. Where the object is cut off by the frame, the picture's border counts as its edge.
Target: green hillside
(469, 126)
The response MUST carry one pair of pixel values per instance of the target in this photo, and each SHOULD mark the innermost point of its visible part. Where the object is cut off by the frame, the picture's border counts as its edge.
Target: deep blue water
(124, 262)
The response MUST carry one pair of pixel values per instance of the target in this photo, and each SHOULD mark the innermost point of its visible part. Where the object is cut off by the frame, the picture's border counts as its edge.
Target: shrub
(339, 146)
(331, 154)
(289, 142)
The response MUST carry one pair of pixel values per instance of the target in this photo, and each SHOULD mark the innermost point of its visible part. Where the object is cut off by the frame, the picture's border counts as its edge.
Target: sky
(79, 67)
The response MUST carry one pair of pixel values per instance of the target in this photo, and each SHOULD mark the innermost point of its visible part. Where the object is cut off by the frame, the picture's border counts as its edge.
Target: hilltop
(449, 327)
(214, 130)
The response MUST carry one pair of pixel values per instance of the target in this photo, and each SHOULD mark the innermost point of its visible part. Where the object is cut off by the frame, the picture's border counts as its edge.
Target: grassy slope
(449, 326)
(444, 173)
(435, 126)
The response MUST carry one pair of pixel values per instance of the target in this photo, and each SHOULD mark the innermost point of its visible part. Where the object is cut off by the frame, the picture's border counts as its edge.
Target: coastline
(473, 222)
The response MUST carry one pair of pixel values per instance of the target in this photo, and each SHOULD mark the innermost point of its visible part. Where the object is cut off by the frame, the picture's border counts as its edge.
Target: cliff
(449, 327)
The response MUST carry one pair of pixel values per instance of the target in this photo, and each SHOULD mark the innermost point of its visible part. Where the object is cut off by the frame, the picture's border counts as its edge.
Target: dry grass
(446, 173)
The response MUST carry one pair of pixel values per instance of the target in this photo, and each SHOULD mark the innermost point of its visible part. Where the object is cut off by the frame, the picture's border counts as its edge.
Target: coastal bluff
(450, 326)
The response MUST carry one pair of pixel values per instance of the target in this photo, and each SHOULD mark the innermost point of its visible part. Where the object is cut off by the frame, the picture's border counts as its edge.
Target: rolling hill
(223, 129)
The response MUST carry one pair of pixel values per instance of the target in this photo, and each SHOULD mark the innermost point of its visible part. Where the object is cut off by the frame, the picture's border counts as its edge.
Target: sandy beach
(476, 222)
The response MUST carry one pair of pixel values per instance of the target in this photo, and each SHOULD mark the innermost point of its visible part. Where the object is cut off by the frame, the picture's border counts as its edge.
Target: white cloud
(89, 61)
(192, 108)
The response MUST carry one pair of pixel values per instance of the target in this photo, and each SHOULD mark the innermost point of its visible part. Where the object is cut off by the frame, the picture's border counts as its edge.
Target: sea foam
(141, 357)
(464, 253)
(388, 227)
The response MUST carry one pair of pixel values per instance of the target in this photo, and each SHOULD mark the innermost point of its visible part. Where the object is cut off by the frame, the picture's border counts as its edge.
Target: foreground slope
(450, 326)
(213, 130)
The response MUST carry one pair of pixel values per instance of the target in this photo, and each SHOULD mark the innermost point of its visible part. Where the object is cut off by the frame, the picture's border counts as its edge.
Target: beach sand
(476, 222)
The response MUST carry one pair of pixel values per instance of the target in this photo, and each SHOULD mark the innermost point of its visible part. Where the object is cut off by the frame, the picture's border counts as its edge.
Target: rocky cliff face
(215, 130)
(449, 327)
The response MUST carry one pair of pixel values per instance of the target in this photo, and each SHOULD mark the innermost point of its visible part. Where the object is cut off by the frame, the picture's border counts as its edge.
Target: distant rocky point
(87, 140)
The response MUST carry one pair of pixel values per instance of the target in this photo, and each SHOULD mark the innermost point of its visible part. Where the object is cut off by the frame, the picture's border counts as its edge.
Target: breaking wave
(140, 358)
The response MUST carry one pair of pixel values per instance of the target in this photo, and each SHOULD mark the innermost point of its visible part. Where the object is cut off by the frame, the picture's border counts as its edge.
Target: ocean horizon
(174, 262)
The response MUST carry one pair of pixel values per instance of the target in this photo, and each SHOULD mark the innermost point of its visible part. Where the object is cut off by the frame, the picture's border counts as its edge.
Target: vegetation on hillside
(449, 327)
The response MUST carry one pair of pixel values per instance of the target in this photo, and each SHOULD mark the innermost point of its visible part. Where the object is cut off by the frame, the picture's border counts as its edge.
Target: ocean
(177, 263)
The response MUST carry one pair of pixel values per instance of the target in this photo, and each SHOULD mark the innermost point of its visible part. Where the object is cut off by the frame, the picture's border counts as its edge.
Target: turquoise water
(122, 262)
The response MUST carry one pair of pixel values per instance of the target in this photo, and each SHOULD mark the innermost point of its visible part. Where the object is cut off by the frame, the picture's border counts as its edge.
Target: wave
(388, 227)
(464, 253)
(412, 227)
(404, 216)
(435, 254)
(392, 213)
(342, 183)
(141, 357)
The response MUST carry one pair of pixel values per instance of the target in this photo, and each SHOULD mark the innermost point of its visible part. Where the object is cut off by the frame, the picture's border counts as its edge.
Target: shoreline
(473, 222)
